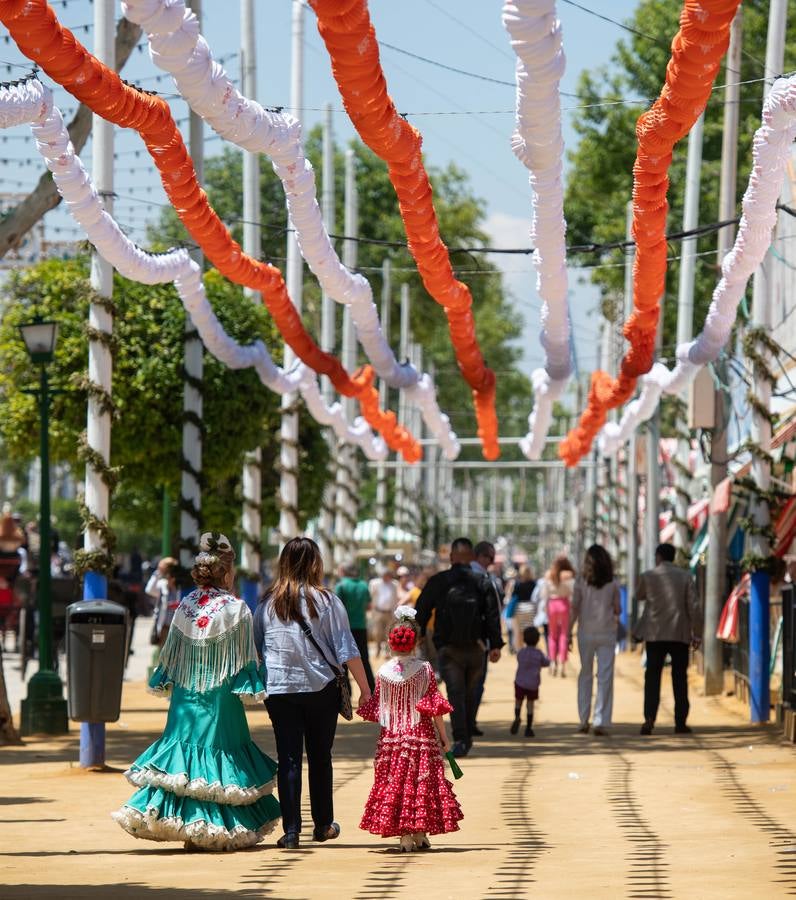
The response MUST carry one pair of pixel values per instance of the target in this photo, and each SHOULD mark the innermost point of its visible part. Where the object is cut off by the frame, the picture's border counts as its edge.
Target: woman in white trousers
(595, 608)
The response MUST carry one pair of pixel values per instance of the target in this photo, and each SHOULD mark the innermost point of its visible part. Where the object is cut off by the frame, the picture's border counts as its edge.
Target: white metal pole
(328, 306)
(328, 329)
(288, 433)
(190, 490)
(685, 314)
(632, 468)
(100, 367)
(716, 563)
(347, 473)
(762, 319)
(403, 353)
(381, 471)
(100, 362)
(415, 425)
(251, 515)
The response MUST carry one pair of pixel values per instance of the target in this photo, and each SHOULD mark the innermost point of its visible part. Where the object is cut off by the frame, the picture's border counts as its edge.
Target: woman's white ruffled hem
(148, 826)
(199, 788)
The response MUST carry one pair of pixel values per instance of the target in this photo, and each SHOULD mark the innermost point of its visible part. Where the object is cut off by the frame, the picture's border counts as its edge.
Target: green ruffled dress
(205, 781)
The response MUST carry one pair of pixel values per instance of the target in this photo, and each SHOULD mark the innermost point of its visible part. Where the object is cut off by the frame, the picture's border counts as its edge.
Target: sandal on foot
(407, 843)
(421, 841)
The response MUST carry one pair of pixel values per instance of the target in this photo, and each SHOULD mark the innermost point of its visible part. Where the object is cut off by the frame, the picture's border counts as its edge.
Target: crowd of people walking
(206, 783)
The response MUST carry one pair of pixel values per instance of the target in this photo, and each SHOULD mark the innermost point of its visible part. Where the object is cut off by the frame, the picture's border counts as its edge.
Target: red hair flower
(402, 639)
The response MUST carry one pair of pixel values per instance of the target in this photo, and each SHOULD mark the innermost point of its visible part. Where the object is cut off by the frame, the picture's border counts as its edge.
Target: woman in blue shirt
(303, 696)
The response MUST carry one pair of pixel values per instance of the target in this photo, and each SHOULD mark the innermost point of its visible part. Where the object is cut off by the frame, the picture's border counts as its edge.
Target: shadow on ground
(128, 891)
(356, 742)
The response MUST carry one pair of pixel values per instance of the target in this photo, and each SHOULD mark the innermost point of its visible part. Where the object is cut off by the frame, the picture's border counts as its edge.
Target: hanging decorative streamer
(350, 38)
(177, 47)
(32, 103)
(770, 155)
(697, 50)
(537, 142)
(37, 32)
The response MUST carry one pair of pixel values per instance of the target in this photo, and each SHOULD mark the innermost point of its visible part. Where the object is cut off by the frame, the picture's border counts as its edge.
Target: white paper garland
(537, 142)
(32, 103)
(177, 47)
(770, 154)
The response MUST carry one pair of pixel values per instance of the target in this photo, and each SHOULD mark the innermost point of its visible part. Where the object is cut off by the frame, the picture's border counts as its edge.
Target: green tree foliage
(239, 412)
(600, 176)
(461, 217)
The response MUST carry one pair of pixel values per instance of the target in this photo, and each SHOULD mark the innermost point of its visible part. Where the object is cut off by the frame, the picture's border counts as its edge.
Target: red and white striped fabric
(727, 630)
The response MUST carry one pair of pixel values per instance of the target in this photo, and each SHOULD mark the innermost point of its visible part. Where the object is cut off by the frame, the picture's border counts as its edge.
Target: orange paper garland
(350, 38)
(35, 28)
(697, 51)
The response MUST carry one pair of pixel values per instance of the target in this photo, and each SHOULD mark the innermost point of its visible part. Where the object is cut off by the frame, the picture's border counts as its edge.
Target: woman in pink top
(559, 582)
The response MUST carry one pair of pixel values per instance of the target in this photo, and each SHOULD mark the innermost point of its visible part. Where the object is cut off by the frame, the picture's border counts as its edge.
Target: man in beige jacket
(671, 620)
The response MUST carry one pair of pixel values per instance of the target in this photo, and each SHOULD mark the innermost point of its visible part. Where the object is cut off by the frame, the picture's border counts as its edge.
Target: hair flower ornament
(211, 541)
(405, 613)
(206, 559)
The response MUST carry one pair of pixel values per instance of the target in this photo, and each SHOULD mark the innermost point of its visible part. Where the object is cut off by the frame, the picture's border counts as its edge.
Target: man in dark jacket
(467, 620)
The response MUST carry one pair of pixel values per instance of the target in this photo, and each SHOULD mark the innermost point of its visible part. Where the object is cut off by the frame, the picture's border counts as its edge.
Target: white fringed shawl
(402, 683)
(210, 640)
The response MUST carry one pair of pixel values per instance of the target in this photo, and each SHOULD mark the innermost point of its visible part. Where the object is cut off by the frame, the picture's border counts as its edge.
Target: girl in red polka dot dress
(410, 798)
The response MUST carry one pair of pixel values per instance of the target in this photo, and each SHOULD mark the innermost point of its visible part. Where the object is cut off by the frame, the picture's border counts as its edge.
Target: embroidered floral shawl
(210, 640)
(403, 680)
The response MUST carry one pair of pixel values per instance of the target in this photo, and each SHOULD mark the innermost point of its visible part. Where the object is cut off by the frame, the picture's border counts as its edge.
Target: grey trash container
(96, 653)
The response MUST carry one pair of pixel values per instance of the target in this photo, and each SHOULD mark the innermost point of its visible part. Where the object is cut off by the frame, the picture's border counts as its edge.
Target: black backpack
(461, 616)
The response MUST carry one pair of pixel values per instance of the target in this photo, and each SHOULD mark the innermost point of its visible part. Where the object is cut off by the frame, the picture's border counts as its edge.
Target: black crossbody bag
(346, 709)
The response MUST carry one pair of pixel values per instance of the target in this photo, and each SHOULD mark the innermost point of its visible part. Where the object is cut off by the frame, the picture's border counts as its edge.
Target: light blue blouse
(292, 664)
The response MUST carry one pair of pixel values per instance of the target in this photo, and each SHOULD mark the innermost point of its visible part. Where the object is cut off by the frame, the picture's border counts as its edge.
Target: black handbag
(346, 709)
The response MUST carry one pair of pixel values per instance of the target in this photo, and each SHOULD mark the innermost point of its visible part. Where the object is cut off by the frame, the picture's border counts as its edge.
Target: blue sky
(462, 119)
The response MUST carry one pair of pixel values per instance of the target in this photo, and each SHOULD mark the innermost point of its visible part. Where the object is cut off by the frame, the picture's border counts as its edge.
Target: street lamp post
(44, 709)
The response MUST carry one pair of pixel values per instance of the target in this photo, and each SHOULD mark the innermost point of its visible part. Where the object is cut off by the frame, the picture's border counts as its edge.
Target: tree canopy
(600, 178)
(239, 412)
(461, 217)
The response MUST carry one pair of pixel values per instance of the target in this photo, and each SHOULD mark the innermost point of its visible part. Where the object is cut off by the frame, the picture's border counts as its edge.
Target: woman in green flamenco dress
(204, 781)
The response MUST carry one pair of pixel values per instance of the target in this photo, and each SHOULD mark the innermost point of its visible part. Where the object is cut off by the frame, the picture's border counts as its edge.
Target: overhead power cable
(649, 37)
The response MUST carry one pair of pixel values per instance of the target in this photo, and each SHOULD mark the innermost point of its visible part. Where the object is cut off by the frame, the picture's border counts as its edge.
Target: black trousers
(656, 656)
(479, 694)
(462, 669)
(299, 720)
(361, 638)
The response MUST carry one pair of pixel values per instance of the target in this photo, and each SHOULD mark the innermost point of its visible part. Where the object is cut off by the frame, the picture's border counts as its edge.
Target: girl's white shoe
(421, 841)
(407, 843)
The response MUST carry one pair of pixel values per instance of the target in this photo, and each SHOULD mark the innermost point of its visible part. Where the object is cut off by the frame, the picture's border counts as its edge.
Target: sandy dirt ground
(559, 816)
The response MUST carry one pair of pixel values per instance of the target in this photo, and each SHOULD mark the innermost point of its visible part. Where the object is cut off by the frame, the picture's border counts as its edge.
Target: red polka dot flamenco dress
(410, 792)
